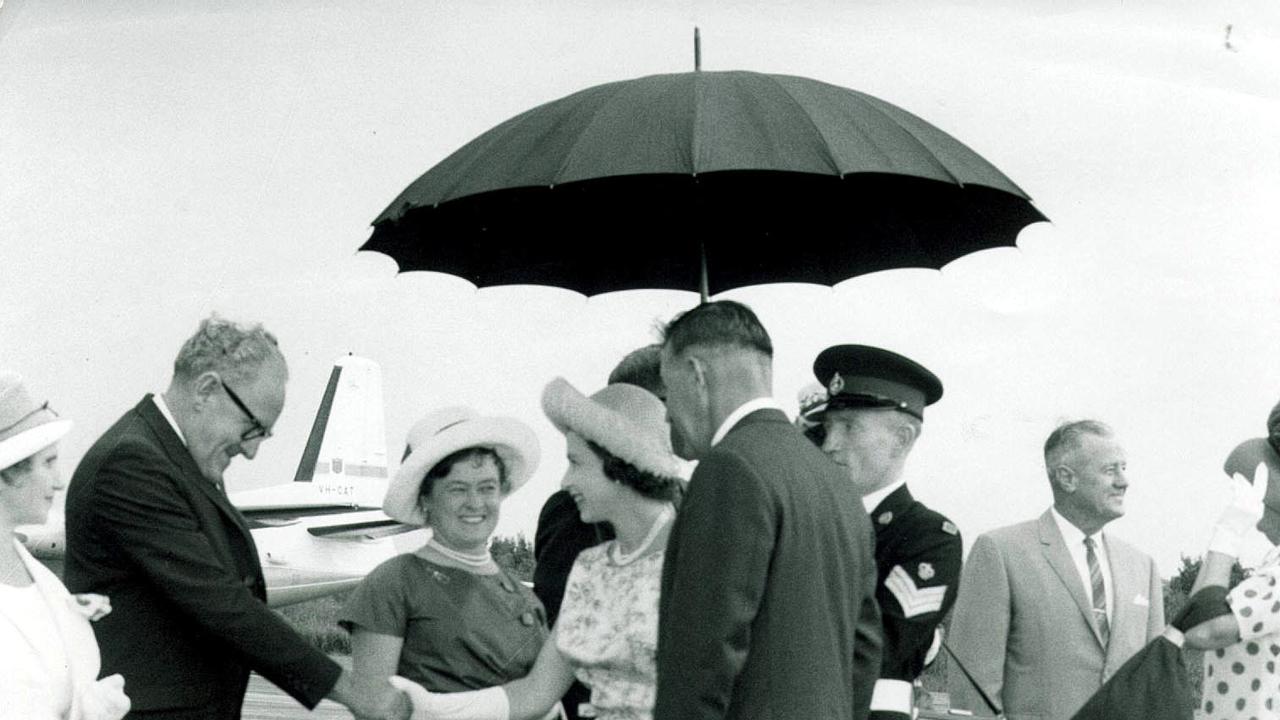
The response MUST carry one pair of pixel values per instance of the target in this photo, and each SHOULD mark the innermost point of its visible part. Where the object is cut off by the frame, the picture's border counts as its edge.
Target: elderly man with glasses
(148, 521)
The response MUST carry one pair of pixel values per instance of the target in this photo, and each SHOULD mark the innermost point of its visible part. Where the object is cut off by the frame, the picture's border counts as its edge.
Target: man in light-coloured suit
(1052, 607)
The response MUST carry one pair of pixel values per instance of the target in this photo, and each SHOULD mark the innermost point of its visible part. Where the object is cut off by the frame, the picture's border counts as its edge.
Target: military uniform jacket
(918, 557)
(767, 610)
(189, 618)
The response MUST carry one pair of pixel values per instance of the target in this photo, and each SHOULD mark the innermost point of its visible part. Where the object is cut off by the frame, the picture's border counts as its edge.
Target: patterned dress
(608, 630)
(1241, 681)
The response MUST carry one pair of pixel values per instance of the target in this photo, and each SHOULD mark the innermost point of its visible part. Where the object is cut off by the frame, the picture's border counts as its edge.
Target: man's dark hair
(720, 323)
(642, 368)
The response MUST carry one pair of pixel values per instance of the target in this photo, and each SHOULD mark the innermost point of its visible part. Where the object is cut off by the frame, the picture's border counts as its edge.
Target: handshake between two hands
(405, 700)
(1241, 516)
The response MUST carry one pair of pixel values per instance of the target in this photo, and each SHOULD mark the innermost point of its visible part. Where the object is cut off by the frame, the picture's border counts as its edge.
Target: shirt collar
(1072, 535)
(873, 499)
(164, 410)
(743, 410)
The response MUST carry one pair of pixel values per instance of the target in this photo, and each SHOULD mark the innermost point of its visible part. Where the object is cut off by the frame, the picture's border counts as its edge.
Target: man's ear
(906, 433)
(1064, 478)
(700, 371)
(205, 386)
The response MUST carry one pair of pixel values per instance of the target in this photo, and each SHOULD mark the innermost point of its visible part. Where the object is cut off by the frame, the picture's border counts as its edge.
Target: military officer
(872, 418)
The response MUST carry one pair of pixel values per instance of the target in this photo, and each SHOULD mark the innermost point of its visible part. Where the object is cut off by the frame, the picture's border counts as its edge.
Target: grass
(317, 621)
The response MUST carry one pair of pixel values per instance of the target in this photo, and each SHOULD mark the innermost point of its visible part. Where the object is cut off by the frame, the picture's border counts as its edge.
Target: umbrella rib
(568, 155)
(866, 102)
(826, 146)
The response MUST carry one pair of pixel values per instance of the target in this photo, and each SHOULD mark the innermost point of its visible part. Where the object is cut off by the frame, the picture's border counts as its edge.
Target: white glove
(104, 700)
(1242, 514)
(487, 704)
(91, 606)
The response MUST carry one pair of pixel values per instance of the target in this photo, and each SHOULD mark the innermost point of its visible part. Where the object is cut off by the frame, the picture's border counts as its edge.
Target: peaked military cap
(864, 376)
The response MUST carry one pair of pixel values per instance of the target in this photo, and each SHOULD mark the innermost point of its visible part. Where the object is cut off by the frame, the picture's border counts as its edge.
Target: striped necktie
(1099, 592)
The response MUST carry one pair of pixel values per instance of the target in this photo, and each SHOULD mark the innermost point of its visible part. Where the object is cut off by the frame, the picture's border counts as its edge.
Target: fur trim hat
(26, 427)
(627, 421)
(444, 432)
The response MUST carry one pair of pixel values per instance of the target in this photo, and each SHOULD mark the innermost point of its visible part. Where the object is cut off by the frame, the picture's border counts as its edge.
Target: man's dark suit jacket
(189, 617)
(768, 590)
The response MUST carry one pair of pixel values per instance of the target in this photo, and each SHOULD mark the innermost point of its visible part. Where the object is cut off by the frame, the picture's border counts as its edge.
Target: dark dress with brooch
(918, 559)
(461, 631)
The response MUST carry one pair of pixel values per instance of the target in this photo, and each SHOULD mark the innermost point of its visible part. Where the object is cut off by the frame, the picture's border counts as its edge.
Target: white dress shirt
(164, 410)
(1074, 538)
(743, 410)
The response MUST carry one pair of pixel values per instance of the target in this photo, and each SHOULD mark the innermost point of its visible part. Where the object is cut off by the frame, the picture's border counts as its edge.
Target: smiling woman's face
(462, 507)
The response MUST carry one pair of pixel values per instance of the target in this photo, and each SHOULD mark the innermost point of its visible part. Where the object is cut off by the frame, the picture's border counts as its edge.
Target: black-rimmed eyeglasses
(258, 430)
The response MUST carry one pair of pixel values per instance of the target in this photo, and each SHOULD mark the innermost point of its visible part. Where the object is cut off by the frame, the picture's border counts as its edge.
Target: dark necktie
(1099, 592)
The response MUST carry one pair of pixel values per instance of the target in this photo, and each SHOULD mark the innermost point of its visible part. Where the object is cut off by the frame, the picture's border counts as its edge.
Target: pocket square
(1141, 600)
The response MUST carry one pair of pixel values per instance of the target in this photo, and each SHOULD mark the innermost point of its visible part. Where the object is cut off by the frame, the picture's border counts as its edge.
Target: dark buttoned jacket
(918, 559)
(189, 617)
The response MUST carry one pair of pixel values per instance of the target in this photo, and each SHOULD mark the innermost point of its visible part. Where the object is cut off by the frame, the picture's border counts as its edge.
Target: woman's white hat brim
(646, 446)
(29, 442)
(512, 440)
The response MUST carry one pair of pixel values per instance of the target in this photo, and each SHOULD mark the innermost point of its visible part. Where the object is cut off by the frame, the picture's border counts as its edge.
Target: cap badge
(949, 528)
(885, 518)
(925, 571)
(836, 385)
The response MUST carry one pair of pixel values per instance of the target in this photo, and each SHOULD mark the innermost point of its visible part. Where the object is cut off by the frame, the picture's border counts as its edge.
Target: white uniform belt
(892, 696)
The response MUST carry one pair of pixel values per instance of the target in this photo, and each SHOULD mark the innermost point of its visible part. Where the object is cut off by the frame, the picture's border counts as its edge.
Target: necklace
(626, 558)
(475, 560)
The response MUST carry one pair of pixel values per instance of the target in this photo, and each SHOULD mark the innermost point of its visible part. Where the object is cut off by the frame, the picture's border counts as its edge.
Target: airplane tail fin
(346, 453)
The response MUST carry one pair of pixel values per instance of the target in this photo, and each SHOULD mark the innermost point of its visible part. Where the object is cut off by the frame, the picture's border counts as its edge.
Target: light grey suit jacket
(1023, 623)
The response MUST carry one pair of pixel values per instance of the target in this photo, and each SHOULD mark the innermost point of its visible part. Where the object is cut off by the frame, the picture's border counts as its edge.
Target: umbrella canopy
(653, 182)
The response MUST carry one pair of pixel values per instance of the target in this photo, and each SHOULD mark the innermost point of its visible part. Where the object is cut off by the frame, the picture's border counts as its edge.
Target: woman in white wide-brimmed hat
(621, 471)
(446, 615)
(49, 659)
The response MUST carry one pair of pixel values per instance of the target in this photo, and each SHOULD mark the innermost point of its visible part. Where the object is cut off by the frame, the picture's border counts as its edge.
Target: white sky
(162, 160)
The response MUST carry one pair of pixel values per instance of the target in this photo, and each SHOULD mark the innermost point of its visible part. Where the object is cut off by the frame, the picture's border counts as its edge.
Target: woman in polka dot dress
(1241, 673)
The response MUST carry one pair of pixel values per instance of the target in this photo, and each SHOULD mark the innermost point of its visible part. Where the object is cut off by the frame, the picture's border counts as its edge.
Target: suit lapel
(173, 446)
(1055, 553)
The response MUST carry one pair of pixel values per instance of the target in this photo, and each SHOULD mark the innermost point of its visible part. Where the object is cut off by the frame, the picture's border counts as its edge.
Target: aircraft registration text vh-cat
(323, 532)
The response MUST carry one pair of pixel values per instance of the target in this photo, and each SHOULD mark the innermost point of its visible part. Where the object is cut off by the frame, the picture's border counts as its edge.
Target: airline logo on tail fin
(346, 454)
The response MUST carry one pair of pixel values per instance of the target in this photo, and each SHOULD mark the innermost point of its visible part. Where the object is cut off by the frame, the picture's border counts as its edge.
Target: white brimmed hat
(26, 427)
(444, 432)
(628, 421)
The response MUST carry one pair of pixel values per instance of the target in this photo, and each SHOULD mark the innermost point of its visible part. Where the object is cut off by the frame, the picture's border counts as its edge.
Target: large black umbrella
(647, 183)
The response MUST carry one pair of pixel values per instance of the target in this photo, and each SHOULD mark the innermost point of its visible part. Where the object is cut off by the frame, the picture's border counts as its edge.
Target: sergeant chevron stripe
(914, 600)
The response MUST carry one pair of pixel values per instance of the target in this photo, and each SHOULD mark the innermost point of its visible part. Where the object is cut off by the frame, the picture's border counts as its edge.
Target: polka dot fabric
(1242, 682)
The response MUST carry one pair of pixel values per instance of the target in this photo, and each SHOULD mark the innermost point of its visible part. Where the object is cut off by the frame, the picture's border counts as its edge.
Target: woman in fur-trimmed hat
(621, 471)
